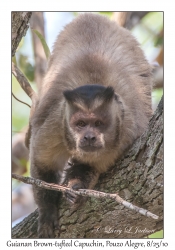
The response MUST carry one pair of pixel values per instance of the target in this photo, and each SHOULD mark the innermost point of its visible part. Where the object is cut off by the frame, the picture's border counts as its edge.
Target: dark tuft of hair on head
(88, 93)
(70, 95)
(107, 94)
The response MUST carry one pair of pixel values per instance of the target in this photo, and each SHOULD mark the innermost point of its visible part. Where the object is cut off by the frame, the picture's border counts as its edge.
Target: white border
(5, 95)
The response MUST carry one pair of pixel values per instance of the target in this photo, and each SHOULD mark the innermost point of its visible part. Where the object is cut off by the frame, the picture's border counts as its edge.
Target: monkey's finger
(46, 232)
(71, 198)
(78, 185)
(50, 232)
(70, 194)
(56, 224)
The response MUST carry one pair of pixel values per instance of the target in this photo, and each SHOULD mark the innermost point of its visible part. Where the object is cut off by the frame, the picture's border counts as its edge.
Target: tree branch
(25, 85)
(20, 100)
(20, 22)
(120, 17)
(83, 192)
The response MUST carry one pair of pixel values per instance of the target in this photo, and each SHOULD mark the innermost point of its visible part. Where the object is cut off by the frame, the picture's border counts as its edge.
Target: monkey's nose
(90, 138)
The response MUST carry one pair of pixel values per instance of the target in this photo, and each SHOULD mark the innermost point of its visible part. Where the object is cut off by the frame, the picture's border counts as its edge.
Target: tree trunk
(37, 23)
(138, 178)
(19, 27)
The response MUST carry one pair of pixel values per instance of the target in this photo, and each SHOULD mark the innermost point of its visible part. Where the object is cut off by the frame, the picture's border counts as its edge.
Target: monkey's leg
(80, 176)
(47, 201)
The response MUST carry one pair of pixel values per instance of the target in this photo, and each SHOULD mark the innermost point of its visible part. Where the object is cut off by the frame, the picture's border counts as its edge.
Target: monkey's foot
(48, 223)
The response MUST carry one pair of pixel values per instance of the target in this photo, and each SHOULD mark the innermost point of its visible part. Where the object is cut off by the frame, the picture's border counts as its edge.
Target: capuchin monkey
(94, 102)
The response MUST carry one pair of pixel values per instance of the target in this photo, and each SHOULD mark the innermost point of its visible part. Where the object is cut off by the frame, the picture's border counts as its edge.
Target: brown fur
(90, 50)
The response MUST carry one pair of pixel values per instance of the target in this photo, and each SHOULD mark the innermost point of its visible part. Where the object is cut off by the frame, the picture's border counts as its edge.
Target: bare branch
(20, 101)
(120, 17)
(25, 85)
(84, 192)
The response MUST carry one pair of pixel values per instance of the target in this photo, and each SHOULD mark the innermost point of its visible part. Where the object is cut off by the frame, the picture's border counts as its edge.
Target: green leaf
(157, 235)
(158, 41)
(44, 44)
(26, 67)
(107, 13)
(14, 60)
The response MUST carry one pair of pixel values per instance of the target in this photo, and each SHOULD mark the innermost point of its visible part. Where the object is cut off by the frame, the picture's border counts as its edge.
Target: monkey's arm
(47, 201)
(27, 136)
(79, 176)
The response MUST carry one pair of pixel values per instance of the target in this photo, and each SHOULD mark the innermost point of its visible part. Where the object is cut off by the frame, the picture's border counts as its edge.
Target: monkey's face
(92, 121)
(88, 130)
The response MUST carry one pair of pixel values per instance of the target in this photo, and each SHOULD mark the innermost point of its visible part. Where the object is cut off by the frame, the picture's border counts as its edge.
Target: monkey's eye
(81, 124)
(98, 123)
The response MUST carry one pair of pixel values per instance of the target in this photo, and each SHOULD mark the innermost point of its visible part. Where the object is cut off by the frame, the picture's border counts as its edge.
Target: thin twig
(25, 85)
(84, 192)
(21, 101)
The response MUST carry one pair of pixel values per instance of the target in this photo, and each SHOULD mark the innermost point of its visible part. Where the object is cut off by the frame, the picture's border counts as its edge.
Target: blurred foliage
(43, 42)
(157, 235)
(156, 97)
(27, 173)
(16, 183)
(14, 60)
(20, 112)
(153, 21)
(149, 33)
(26, 67)
(157, 94)
(21, 162)
(106, 13)
(158, 40)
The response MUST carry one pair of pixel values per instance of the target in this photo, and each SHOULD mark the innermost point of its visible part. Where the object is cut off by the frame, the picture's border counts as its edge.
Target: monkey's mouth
(90, 148)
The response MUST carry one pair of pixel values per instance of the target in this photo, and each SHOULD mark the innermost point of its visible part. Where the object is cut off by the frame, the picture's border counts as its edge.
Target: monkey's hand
(74, 198)
(79, 176)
